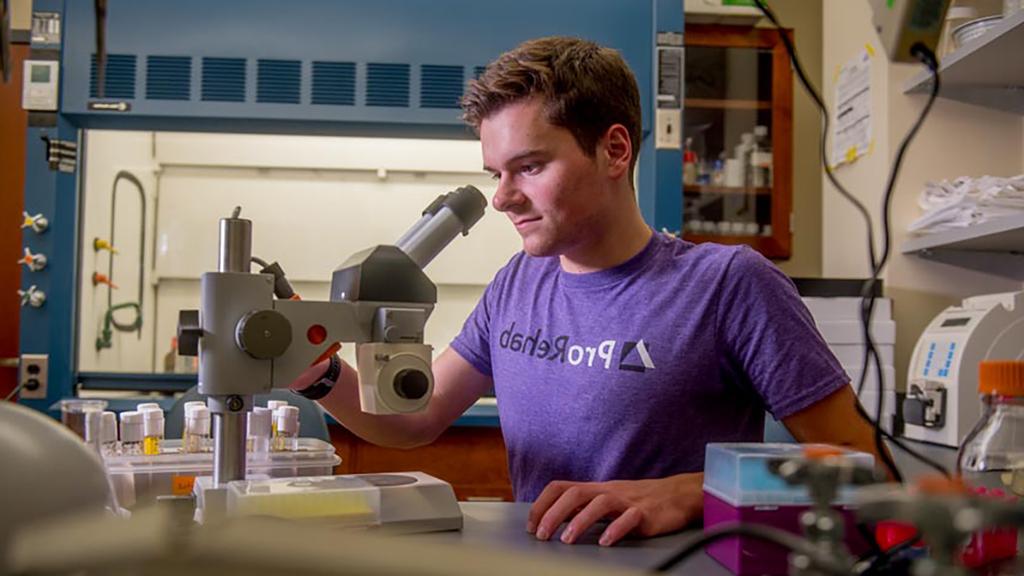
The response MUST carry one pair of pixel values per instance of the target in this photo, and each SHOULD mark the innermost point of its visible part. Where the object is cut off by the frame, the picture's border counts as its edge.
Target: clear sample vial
(108, 434)
(131, 433)
(195, 437)
(259, 432)
(287, 434)
(153, 431)
(273, 405)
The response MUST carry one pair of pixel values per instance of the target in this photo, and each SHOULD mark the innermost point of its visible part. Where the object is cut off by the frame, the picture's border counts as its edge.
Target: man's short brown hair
(586, 89)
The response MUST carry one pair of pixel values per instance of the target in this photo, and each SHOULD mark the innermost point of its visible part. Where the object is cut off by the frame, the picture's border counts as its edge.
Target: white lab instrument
(942, 383)
(402, 502)
(39, 92)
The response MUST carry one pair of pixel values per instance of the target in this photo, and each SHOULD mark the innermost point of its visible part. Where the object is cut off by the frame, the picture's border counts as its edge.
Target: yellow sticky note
(870, 49)
(851, 154)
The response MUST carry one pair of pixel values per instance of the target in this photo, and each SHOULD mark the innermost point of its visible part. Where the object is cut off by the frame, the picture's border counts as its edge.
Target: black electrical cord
(821, 561)
(135, 325)
(5, 42)
(100, 8)
(871, 356)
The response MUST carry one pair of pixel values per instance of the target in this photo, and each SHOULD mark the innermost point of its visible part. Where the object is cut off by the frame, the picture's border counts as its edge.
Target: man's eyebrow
(518, 157)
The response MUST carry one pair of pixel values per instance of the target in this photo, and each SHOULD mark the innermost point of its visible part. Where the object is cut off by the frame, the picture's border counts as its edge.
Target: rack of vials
(144, 466)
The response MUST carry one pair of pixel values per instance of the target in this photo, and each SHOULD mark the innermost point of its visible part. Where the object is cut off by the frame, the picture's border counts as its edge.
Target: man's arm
(834, 420)
(456, 386)
(652, 507)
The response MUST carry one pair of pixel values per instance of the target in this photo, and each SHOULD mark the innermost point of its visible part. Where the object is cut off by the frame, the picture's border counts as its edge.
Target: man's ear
(618, 149)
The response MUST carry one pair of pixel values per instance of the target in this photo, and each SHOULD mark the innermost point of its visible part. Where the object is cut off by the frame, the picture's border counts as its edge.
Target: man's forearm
(394, 431)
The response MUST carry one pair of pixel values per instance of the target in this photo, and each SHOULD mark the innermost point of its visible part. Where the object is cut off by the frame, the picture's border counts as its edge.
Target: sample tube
(196, 432)
(259, 426)
(287, 434)
(131, 433)
(148, 406)
(108, 434)
(273, 405)
(153, 431)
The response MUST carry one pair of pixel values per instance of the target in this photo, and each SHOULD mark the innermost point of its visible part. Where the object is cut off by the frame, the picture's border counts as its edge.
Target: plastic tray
(141, 479)
(738, 474)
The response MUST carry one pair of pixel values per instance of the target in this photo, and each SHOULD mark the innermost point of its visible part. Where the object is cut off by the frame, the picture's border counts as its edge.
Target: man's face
(551, 191)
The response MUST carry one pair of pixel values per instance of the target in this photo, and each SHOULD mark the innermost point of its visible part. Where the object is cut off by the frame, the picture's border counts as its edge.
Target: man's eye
(529, 168)
(494, 175)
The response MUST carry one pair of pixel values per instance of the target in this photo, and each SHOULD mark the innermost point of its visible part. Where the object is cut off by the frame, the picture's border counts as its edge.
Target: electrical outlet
(33, 376)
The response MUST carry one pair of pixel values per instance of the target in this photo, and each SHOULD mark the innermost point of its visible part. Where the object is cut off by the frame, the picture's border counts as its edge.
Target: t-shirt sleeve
(772, 338)
(473, 343)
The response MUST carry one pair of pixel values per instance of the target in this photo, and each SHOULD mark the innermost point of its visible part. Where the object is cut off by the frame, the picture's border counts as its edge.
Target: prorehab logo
(627, 355)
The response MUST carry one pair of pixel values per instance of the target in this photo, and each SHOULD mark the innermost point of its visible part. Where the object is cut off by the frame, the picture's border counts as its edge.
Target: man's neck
(619, 240)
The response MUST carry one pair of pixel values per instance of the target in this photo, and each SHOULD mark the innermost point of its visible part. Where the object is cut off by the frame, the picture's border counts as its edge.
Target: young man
(616, 353)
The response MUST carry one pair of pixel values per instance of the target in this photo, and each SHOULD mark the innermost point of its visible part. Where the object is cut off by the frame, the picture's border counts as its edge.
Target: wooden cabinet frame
(778, 246)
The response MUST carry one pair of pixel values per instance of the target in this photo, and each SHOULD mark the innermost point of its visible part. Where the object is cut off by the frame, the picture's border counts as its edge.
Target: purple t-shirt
(627, 373)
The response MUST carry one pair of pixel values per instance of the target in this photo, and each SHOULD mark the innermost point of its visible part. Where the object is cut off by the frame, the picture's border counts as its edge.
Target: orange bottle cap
(1002, 377)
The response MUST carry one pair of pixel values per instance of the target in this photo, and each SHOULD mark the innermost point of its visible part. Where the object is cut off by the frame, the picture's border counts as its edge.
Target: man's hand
(643, 507)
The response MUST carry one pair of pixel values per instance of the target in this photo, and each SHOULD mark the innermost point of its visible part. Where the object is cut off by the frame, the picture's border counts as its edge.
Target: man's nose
(506, 196)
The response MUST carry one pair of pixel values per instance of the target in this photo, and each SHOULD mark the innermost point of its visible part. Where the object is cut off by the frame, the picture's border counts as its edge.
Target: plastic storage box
(740, 487)
(139, 480)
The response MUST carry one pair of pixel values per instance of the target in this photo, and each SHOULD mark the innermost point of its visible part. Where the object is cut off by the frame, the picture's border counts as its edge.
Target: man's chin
(538, 249)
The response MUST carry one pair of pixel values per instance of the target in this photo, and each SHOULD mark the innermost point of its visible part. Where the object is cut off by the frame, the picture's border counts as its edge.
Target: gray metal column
(235, 254)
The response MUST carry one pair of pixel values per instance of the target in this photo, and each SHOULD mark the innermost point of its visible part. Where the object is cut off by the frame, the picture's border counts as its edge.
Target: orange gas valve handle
(98, 278)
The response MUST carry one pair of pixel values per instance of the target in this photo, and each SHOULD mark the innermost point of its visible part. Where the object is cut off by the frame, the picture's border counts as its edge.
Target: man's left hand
(643, 507)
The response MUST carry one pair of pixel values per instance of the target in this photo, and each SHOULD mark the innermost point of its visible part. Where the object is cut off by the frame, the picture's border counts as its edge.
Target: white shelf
(988, 71)
(999, 235)
(996, 247)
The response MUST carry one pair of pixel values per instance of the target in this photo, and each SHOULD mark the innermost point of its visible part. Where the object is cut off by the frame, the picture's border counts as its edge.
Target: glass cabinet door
(738, 149)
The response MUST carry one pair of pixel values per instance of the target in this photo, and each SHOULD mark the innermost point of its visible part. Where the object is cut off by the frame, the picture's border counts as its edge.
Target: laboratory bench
(502, 526)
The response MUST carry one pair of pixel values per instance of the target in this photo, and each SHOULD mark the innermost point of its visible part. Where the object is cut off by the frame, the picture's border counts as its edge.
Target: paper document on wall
(851, 128)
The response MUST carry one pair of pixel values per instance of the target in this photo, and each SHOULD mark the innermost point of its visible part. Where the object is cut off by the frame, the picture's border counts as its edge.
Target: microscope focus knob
(264, 334)
(189, 333)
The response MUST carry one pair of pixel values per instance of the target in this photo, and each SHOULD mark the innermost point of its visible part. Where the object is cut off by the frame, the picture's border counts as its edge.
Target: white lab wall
(846, 30)
(956, 140)
(313, 202)
(106, 153)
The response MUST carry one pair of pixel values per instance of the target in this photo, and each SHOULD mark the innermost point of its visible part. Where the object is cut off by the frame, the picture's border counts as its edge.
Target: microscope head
(393, 294)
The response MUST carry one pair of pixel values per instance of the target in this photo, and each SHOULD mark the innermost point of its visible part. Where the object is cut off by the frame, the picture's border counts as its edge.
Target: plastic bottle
(991, 459)
(992, 455)
(259, 432)
(742, 155)
(131, 433)
(761, 158)
(286, 437)
(196, 431)
(689, 164)
(718, 172)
